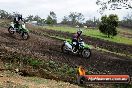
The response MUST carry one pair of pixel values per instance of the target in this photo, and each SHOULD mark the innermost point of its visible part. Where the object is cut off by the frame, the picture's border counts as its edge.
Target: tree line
(106, 25)
(72, 19)
(117, 4)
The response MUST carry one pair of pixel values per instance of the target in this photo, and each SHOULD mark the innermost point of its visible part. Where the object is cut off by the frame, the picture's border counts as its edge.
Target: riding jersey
(76, 36)
(17, 19)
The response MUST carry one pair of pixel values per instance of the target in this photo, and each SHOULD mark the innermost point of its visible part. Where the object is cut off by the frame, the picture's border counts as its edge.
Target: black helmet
(20, 15)
(79, 31)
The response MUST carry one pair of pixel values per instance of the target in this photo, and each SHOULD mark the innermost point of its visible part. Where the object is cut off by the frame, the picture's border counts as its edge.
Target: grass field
(124, 30)
(94, 33)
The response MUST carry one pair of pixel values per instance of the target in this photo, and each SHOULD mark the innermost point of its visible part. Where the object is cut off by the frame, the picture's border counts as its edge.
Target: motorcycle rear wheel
(11, 30)
(63, 48)
(25, 36)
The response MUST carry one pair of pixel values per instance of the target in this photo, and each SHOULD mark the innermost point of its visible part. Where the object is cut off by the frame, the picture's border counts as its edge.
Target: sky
(61, 7)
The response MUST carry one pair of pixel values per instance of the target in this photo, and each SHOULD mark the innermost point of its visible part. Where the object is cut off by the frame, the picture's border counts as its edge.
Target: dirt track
(49, 49)
(114, 47)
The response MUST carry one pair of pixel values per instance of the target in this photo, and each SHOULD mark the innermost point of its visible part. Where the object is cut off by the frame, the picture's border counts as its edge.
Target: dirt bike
(22, 30)
(68, 47)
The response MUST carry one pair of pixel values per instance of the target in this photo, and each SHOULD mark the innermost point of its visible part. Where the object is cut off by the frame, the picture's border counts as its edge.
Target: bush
(108, 25)
(34, 63)
(4, 23)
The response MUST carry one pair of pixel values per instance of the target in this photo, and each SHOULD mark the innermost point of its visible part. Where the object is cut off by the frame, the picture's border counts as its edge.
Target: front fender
(12, 25)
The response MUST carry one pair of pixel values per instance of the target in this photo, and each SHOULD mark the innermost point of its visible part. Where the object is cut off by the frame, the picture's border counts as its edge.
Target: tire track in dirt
(49, 49)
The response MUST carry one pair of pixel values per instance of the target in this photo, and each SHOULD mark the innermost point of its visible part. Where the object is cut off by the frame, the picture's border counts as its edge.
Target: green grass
(93, 33)
(49, 68)
(4, 23)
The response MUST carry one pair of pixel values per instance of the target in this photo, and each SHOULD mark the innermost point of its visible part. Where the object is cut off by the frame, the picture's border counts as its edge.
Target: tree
(114, 4)
(127, 21)
(30, 18)
(108, 25)
(42, 21)
(38, 19)
(5, 15)
(53, 15)
(76, 18)
(51, 19)
(65, 20)
(92, 22)
(80, 17)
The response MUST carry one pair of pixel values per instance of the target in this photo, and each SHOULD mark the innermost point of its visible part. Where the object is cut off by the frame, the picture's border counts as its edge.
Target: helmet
(79, 31)
(20, 15)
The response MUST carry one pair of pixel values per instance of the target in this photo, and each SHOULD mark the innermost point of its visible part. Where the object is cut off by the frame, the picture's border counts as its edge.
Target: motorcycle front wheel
(25, 35)
(86, 53)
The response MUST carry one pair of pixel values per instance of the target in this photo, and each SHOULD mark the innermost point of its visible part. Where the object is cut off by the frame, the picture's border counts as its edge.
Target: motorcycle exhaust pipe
(13, 30)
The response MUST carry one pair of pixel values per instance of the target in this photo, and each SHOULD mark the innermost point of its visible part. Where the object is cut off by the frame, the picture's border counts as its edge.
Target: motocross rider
(75, 40)
(17, 20)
